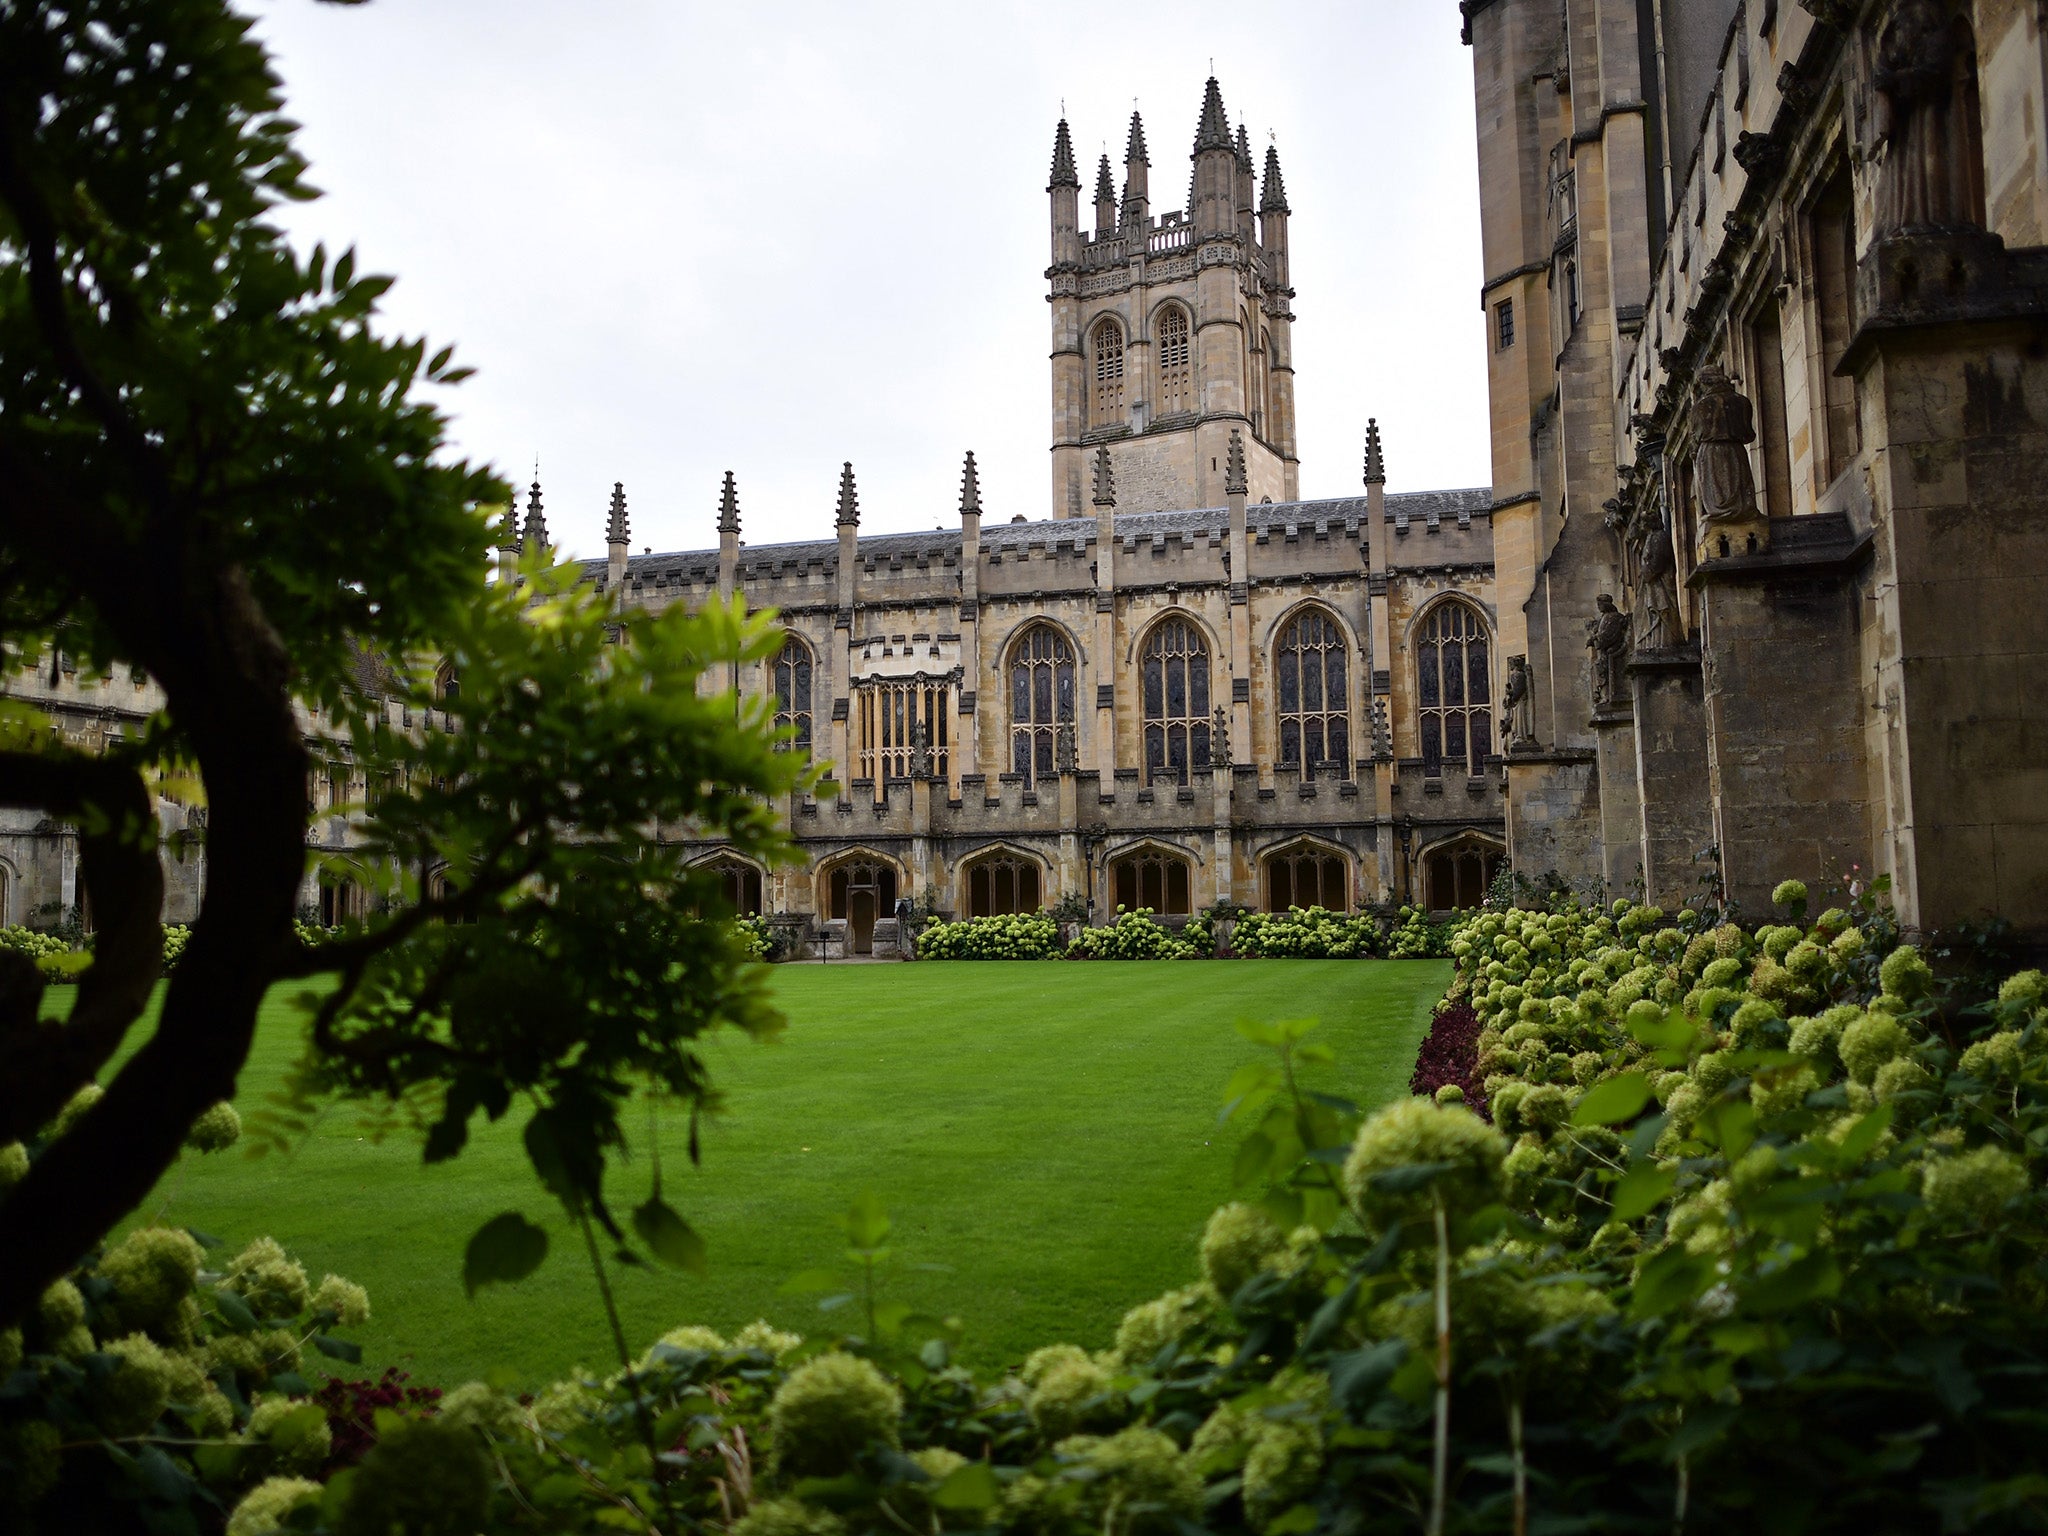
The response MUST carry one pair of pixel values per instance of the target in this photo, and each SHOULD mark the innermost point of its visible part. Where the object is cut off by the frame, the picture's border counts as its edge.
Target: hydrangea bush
(1307, 933)
(1019, 936)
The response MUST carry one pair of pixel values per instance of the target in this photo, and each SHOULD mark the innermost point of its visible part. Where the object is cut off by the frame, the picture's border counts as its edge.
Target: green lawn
(1047, 1131)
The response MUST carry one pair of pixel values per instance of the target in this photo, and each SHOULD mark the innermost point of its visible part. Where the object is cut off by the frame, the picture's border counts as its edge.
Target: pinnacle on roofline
(508, 526)
(1105, 184)
(849, 498)
(970, 489)
(1134, 149)
(728, 506)
(615, 527)
(1105, 479)
(1275, 198)
(1375, 462)
(1213, 132)
(1234, 482)
(1244, 147)
(535, 535)
(1064, 173)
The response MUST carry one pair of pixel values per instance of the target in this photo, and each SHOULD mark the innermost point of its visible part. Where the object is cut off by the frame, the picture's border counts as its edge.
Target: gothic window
(447, 682)
(1310, 666)
(890, 714)
(1175, 678)
(337, 901)
(1000, 884)
(1453, 689)
(1305, 875)
(1458, 877)
(1503, 325)
(1176, 370)
(1151, 877)
(1108, 351)
(1767, 364)
(739, 885)
(793, 694)
(1831, 229)
(1041, 698)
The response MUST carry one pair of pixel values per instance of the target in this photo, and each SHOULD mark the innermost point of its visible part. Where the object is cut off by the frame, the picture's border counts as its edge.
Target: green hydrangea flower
(1412, 1131)
(1899, 1076)
(1041, 1363)
(1223, 1441)
(1869, 1042)
(1067, 1396)
(1721, 973)
(33, 1451)
(348, 1302)
(1791, 895)
(1522, 1108)
(1994, 1057)
(560, 1406)
(827, 1411)
(217, 1129)
(1235, 1244)
(13, 1164)
(1449, 1093)
(10, 1349)
(1150, 1326)
(1969, 1190)
(1141, 1473)
(770, 1340)
(265, 1508)
(423, 1477)
(131, 1397)
(1848, 944)
(271, 1281)
(152, 1269)
(2024, 989)
(1781, 1092)
(483, 1408)
(61, 1309)
(73, 1111)
(1281, 1467)
(296, 1434)
(1904, 974)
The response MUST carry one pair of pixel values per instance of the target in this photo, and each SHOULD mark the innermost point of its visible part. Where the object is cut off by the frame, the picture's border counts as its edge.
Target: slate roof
(1338, 513)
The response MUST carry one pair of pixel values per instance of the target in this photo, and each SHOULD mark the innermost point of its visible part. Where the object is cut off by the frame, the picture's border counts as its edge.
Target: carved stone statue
(920, 751)
(1609, 645)
(1933, 168)
(1521, 730)
(1219, 738)
(1656, 566)
(1724, 426)
(1064, 757)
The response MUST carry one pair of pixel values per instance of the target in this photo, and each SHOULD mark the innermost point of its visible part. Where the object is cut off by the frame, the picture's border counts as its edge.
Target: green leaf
(670, 1238)
(1298, 1520)
(1803, 1280)
(338, 1349)
(1669, 1280)
(1863, 1135)
(1616, 1100)
(1729, 1124)
(865, 1223)
(507, 1247)
(969, 1487)
(1357, 1377)
(1673, 1032)
(234, 1310)
(809, 1280)
(1641, 1189)
(1254, 1157)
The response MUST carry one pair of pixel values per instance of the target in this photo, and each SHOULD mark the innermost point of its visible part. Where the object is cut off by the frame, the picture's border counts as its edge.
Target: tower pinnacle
(615, 527)
(1234, 482)
(1064, 173)
(970, 489)
(535, 535)
(1244, 148)
(1213, 132)
(1105, 479)
(1134, 148)
(1105, 185)
(1274, 199)
(728, 506)
(849, 498)
(1375, 464)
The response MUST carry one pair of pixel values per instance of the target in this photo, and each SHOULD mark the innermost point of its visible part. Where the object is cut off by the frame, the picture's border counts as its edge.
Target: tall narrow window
(1151, 877)
(1453, 689)
(1767, 354)
(1176, 370)
(1175, 676)
(903, 728)
(1315, 701)
(1832, 230)
(793, 694)
(1504, 325)
(1041, 699)
(1001, 884)
(1107, 349)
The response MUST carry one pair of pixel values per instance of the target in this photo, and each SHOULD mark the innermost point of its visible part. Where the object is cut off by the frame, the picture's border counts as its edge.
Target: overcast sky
(680, 238)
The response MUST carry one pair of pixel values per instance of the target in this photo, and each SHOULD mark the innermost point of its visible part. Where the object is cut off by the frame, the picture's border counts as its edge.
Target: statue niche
(1656, 567)
(1520, 722)
(1609, 643)
(1932, 173)
(1724, 425)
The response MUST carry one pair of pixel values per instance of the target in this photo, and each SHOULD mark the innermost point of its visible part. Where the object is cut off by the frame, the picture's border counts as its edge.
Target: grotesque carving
(1609, 645)
(1723, 427)
(1520, 725)
(1656, 567)
(1933, 168)
(1219, 738)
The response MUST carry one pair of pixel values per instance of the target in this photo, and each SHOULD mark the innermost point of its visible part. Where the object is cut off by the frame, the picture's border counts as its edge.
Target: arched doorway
(861, 890)
(739, 883)
(1457, 875)
(1002, 883)
(1307, 874)
(1151, 877)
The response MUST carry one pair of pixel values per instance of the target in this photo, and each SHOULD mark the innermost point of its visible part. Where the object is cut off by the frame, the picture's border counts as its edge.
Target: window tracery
(1306, 875)
(1312, 682)
(1107, 348)
(1174, 675)
(1176, 370)
(793, 673)
(1041, 699)
(1454, 689)
(1000, 884)
(1151, 877)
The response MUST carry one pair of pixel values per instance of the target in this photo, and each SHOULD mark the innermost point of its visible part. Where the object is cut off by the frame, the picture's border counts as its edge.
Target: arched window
(1453, 689)
(905, 728)
(1175, 676)
(1176, 370)
(1107, 348)
(1305, 875)
(1041, 699)
(1310, 666)
(793, 694)
(1458, 876)
(1002, 883)
(447, 682)
(739, 885)
(1150, 877)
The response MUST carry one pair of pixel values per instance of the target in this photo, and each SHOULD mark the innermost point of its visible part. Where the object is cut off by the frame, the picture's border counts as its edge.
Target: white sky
(679, 238)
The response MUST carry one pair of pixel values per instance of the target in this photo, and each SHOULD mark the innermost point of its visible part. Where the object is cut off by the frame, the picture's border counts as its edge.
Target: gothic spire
(1135, 148)
(1214, 129)
(970, 489)
(1234, 483)
(1063, 172)
(508, 526)
(1244, 148)
(536, 533)
(849, 498)
(1105, 479)
(1275, 198)
(1105, 184)
(615, 528)
(1375, 465)
(729, 506)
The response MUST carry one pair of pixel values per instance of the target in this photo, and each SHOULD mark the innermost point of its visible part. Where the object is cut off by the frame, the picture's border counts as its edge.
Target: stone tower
(1171, 331)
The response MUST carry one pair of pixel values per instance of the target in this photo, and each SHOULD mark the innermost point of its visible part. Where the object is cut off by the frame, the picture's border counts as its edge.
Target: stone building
(1765, 296)
(1184, 685)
